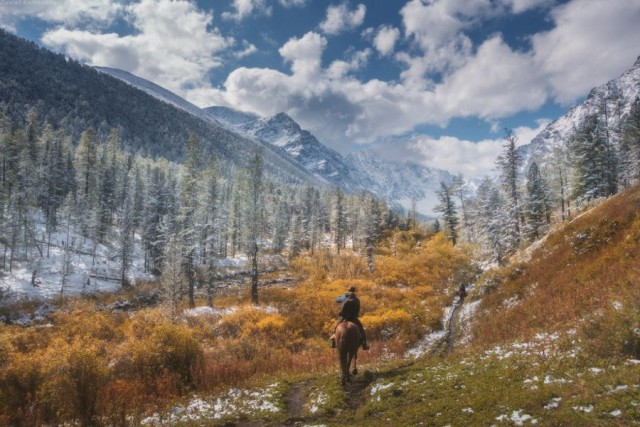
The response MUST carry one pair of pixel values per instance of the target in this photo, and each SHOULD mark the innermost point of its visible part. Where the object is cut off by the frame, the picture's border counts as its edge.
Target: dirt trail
(445, 344)
(295, 399)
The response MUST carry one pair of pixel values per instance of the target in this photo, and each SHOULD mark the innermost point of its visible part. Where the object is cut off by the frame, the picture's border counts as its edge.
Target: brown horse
(348, 340)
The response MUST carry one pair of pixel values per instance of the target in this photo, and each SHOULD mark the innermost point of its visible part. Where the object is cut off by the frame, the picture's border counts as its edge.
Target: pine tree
(191, 174)
(593, 161)
(449, 212)
(508, 164)
(631, 138)
(86, 168)
(494, 221)
(172, 279)
(126, 239)
(338, 220)
(254, 220)
(536, 207)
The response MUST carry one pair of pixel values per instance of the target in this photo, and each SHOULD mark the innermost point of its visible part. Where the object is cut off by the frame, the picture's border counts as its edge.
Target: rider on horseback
(350, 311)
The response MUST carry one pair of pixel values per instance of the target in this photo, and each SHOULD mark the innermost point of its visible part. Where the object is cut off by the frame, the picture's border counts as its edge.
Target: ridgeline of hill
(75, 97)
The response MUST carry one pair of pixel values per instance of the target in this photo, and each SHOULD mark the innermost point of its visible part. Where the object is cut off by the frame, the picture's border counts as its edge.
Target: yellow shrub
(171, 348)
(74, 375)
(387, 323)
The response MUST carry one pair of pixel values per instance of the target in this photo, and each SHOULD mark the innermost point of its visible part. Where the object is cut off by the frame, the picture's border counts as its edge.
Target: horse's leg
(355, 363)
(349, 366)
(344, 367)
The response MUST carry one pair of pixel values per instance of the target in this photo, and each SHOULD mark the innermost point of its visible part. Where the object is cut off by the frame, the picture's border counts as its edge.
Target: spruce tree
(631, 138)
(593, 161)
(536, 207)
(508, 164)
(254, 217)
(338, 220)
(449, 212)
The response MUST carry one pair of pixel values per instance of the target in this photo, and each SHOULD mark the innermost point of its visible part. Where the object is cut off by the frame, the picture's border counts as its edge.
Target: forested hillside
(75, 97)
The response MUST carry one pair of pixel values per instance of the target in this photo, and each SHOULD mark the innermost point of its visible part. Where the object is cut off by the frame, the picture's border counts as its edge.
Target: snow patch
(554, 404)
(518, 418)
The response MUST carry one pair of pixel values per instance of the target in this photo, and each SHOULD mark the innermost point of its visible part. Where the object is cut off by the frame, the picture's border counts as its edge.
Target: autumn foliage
(584, 277)
(97, 367)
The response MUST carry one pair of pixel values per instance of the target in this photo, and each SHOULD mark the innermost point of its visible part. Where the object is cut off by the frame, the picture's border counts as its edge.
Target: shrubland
(92, 366)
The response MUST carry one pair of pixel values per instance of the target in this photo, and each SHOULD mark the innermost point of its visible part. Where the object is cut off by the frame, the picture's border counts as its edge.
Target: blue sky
(433, 81)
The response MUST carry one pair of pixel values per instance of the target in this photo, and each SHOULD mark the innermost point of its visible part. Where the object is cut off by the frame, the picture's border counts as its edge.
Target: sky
(435, 82)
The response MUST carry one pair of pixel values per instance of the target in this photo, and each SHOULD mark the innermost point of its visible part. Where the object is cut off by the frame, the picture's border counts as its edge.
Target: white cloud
(304, 54)
(245, 8)
(174, 45)
(474, 159)
(496, 82)
(293, 3)
(591, 42)
(434, 23)
(385, 40)
(248, 49)
(69, 12)
(519, 6)
(340, 18)
(339, 69)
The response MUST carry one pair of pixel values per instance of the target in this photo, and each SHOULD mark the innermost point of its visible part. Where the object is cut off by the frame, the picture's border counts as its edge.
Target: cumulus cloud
(174, 44)
(385, 40)
(69, 12)
(340, 18)
(496, 82)
(245, 8)
(248, 49)
(473, 159)
(590, 42)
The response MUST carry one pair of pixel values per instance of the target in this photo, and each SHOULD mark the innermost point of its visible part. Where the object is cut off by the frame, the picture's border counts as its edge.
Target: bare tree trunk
(254, 274)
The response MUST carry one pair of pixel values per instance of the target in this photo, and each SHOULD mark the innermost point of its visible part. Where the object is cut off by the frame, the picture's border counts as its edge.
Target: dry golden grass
(582, 268)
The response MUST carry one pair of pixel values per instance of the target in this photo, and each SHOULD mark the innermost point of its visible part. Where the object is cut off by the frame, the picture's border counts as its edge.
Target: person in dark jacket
(462, 292)
(350, 311)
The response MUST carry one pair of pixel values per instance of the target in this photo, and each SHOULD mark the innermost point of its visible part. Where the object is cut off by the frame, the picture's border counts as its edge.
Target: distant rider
(461, 292)
(350, 311)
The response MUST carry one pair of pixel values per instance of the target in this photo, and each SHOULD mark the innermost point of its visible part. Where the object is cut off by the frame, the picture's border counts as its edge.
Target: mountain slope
(282, 131)
(70, 95)
(611, 101)
(399, 182)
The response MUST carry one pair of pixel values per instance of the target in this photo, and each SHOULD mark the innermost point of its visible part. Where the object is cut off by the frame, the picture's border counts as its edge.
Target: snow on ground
(91, 266)
(213, 311)
(554, 404)
(318, 402)
(377, 388)
(235, 403)
(518, 418)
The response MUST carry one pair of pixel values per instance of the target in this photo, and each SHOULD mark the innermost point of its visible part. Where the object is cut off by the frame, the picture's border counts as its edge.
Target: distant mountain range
(398, 183)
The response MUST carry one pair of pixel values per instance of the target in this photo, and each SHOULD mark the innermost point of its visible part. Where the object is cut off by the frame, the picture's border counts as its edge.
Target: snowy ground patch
(236, 402)
(518, 418)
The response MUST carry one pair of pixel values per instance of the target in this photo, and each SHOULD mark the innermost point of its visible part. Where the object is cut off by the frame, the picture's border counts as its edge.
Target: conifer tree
(593, 161)
(254, 211)
(508, 164)
(536, 207)
(493, 221)
(631, 139)
(191, 174)
(338, 220)
(449, 212)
